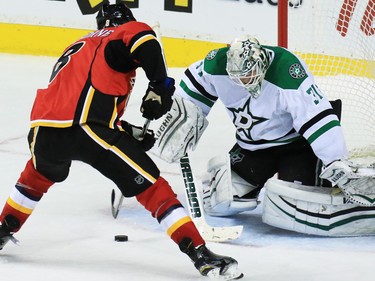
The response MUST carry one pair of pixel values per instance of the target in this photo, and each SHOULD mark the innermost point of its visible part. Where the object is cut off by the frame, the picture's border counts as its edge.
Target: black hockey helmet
(113, 15)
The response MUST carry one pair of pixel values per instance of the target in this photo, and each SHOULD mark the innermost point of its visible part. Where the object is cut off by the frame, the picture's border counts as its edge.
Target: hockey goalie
(289, 141)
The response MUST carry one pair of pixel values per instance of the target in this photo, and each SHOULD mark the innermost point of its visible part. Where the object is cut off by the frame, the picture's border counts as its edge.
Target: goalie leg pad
(220, 185)
(315, 210)
(180, 130)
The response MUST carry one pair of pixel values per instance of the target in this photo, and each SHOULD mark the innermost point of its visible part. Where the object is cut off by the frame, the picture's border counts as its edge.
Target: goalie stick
(209, 233)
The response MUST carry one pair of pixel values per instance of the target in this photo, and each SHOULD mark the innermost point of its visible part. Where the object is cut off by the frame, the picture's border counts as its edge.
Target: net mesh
(336, 38)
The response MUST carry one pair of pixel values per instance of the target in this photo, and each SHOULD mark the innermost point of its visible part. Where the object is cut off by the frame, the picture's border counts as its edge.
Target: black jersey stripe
(315, 120)
(195, 95)
(198, 86)
(278, 140)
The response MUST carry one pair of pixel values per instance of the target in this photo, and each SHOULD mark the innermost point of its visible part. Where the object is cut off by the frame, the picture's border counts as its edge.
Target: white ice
(70, 235)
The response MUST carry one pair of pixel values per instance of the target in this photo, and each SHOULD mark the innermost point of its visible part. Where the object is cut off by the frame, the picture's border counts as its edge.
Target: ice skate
(7, 229)
(209, 264)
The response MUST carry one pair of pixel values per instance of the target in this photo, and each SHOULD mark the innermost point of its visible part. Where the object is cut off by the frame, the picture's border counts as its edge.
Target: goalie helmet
(247, 63)
(113, 15)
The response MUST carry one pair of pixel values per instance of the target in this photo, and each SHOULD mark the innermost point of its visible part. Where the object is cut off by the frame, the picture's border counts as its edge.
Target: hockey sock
(161, 201)
(25, 195)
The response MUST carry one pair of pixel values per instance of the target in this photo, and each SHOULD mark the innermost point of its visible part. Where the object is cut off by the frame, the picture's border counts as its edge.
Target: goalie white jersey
(290, 105)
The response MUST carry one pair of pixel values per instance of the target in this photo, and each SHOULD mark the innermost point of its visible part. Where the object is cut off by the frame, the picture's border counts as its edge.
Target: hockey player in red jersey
(77, 117)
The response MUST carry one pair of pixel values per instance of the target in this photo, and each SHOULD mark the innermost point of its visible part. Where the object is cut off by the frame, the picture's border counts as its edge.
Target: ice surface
(70, 235)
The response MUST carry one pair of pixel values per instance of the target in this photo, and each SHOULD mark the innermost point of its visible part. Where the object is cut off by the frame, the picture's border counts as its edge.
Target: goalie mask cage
(336, 38)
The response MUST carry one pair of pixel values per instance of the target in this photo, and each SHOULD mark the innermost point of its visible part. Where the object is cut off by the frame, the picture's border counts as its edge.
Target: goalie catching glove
(180, 130)
(357, 183)
(158, 99)
(145, 139)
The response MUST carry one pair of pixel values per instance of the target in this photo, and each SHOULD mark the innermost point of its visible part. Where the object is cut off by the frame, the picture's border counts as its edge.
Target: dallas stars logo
(211, 55)
(244, 120)
(296, 71)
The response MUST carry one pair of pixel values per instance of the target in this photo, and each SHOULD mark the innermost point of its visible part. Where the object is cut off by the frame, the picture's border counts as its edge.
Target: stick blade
(219, 234)
(113, 196)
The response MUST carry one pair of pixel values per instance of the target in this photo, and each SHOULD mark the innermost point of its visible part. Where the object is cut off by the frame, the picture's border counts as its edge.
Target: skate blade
(6, 239)
(14, 240)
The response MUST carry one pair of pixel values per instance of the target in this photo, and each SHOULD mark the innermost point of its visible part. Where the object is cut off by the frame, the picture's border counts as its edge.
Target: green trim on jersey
(322, 130)
(215, 62)
(285, 70)
(195, 95)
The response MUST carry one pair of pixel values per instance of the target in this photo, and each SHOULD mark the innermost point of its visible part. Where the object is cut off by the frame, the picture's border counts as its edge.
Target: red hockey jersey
(93, 79)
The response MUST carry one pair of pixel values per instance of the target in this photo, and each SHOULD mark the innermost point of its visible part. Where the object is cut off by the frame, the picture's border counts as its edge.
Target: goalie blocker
(315, 210)
(180, 130)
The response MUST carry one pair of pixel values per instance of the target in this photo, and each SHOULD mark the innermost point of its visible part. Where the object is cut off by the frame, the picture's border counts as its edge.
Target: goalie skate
(209, 264)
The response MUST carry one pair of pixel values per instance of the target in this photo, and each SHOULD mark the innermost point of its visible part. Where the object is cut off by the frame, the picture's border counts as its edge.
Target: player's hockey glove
(146, 141)
(158, 99)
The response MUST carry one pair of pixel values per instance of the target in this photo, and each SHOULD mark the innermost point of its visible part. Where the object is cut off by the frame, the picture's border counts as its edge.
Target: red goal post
(336, 38)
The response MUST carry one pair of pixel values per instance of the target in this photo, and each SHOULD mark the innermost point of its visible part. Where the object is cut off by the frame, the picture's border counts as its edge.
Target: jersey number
(65, 58)
(315, 93)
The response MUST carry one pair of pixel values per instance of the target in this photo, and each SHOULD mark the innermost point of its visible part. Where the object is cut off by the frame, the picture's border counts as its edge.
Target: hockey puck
(121, 238)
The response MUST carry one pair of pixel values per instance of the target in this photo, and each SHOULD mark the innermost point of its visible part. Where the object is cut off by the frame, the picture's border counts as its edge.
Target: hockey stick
(209, 233)
(116, 208)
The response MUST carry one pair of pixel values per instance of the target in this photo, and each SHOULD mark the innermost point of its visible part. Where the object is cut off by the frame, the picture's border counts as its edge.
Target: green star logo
(244, 120)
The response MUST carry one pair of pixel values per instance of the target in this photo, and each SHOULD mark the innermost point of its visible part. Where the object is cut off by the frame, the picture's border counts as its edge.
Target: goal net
(336, 38)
